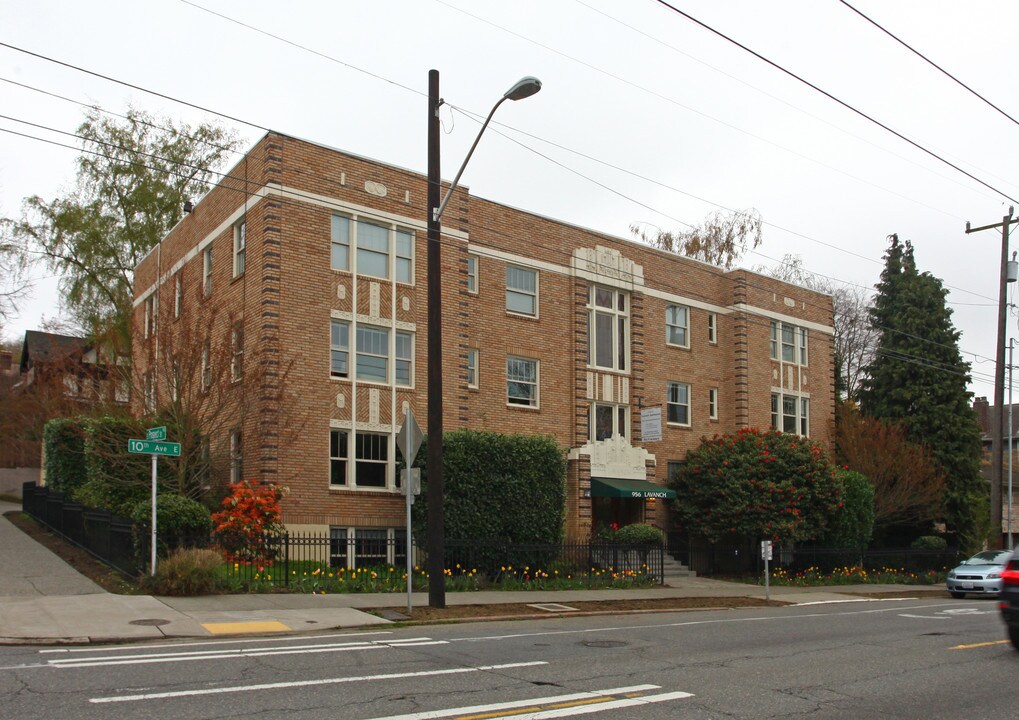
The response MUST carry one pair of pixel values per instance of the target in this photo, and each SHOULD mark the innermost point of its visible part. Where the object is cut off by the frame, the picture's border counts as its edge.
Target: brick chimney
(983, 411)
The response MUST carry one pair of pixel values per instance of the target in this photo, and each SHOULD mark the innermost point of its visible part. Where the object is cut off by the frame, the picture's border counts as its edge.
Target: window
(372, 358)
(521, 291)
(472, 368)
(608, 420)
(339, 258)
(404, 256)
(367, 547)
(790, 341)
(240, 243)
(713, 403)
(149, 328)
(607, 328)
(674, 468)
(72, 385)
(372, 250)
(207, 271)
(371, 460)
(175, 379)
(338, 547)
(677, 323)
(790, 413)
(521, 381)
(122, 390)
(149, 391)
(678, 403)
(339, 343)
(236, 456)
(206, 365)
(472, 273)
(712, 328)
(178, 293)
(370, 547)
(237, 352)
(337, 457)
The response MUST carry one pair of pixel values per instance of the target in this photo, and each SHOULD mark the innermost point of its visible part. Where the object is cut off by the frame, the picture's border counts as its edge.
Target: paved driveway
(28, 569)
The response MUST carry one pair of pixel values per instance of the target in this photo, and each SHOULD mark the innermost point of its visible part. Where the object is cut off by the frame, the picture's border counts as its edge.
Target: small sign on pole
(156, 433)
(409, 442)
(766, 554)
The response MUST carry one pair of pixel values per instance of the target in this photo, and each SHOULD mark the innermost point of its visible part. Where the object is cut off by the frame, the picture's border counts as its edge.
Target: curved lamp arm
(525, 87)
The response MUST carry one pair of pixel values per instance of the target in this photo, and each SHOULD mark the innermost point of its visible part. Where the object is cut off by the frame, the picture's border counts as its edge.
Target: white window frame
(206, 364)
(355, 444)
(339, 243)
(713, 328)
(514, 291)
(178, 293)
(342, 455)
(788, 343)
(149, 330)
(532, 401)
(237, 351)
(399, 359)
(712, 403)
(473, 376)
(337, 347)
(619, 344)
(620, 415)
(669, 401)
(393, 359)
(798, 419)
(675, 327)
(207, 271)
(240, 246)
(236, 455)
(400, 260)
(473, 265)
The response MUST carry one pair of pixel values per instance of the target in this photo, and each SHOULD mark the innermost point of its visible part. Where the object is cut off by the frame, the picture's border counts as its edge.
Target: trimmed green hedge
(64, 446)
(852, 526)
(639, 534)
(506, 487)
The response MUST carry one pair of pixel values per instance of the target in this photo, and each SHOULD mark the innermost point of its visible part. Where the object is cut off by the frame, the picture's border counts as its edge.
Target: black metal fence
(279, 558)
(742, 556)
(106, 536)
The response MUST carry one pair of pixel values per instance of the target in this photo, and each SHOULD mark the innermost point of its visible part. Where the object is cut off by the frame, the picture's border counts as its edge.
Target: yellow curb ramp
(237, 628)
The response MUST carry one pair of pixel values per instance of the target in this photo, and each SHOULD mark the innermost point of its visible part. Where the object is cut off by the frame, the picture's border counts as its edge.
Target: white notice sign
(651, 424)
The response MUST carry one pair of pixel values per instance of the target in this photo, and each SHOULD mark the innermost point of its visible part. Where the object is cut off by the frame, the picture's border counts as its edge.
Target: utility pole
(436, 520)
(998, 418)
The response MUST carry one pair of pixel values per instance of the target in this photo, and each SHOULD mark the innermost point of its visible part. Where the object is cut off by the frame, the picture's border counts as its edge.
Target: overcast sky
(644, 116)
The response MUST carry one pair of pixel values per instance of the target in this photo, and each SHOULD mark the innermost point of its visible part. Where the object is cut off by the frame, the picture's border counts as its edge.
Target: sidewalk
(44, 600)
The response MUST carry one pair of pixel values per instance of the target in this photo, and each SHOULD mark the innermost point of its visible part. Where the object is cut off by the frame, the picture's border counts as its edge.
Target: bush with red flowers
(250, 514)
(757, 484)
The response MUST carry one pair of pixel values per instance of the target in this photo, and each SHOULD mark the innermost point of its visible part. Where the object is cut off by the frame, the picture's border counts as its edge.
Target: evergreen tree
(918, 380)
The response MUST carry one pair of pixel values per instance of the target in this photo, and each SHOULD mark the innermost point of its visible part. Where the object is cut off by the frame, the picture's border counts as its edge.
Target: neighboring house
(307, 266)
(71, 365)
(987, 417)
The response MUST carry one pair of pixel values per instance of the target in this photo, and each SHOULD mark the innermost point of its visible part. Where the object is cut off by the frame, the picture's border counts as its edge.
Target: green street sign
(156, 433)
(150, 447)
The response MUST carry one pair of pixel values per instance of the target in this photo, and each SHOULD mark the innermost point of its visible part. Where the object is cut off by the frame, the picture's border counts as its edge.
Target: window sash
(339, 349)
(713, 403)
(372, 353)
(240, 243)
(178, 293)
(404, 256)
(521, 290)
(472, 273)
(521, 381)
(207, 271)
(404, 365)
(339, 252)
(678, 403)
(712, 328)
(372, 250)
(790, 414)
(237, 352)
(472, 368)
(677, 323)
(338, 457)
(236, 457)
(371, 460)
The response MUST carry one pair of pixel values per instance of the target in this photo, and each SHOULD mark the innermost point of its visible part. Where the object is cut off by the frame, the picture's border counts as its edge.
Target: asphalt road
(890, 659)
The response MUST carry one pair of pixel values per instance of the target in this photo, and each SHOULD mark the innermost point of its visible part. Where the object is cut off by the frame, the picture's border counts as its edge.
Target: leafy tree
(757, 484)
(909, 489)
(853, 525)
(14, 284)
(917, 379)
(721, 240)
(133, 178)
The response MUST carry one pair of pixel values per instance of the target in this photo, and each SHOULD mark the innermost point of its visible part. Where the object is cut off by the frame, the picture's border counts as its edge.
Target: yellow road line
(233, 628)
(978, 645)
(537, 708)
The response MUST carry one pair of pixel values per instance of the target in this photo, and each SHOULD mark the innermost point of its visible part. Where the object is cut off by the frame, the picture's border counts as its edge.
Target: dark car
(1009, 598)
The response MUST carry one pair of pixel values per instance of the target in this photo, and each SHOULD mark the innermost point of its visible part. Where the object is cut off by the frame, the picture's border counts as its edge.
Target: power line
(930, 62)
(838, 100)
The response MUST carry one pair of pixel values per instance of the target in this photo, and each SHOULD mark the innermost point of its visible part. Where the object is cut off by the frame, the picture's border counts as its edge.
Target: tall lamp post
(436, 520)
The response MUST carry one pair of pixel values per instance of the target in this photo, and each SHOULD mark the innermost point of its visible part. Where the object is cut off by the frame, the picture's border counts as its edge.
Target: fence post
(661, 563)
(286, 557)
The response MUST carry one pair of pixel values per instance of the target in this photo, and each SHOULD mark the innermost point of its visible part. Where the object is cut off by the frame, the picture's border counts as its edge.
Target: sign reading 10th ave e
(150, 447)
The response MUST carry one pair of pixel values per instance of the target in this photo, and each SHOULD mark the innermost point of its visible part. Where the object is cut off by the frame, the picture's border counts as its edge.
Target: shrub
(639, 534)
(189, 571)
(179, 521)
(757, 484)
(64, 448)
(853, 525)
(929, 542)
(250, 511)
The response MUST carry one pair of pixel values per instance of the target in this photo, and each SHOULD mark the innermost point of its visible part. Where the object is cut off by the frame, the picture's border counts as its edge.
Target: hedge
(64, 448)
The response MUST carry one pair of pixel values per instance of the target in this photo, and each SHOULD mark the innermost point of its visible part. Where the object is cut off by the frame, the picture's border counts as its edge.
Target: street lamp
(436, 522)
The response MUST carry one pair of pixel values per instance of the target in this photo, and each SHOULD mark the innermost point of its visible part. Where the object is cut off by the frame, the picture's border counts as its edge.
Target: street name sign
(152, 447)
(156, 433)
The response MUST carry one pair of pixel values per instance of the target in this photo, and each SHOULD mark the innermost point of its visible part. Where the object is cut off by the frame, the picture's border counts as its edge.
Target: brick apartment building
(308, 265)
